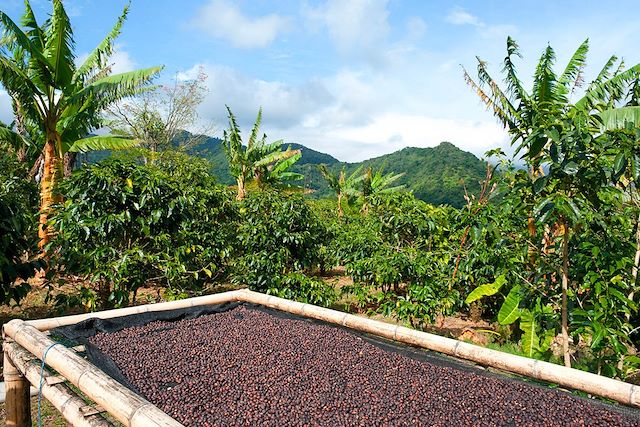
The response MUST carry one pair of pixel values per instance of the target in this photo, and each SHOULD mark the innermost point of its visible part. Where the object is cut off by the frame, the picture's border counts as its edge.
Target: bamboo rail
(133, 410)
(123, 404)
(54, 322)
(68, 403)
(597, 385)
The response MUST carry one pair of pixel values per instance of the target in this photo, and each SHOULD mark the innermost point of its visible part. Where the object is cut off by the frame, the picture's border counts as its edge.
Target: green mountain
(436, 175)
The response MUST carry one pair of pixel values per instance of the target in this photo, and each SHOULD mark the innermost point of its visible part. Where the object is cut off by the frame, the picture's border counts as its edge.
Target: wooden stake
(18, 400)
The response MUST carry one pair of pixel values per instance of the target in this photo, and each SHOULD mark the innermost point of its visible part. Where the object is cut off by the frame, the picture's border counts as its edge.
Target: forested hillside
(436, 175)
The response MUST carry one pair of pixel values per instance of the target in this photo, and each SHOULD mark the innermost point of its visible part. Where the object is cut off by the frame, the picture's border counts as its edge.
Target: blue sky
(354, 78)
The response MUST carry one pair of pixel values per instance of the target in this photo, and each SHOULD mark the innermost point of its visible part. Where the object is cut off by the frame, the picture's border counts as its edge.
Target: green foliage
(18, 208)
(126, 225)
(297, 286)
(277, 234)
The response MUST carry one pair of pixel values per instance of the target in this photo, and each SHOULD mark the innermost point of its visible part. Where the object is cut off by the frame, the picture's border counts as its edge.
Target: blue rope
(44, 356)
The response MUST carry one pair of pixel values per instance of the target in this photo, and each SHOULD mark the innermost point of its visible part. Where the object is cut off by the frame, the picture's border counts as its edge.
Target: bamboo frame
(132, 410)
(124, 405)
(68, 403)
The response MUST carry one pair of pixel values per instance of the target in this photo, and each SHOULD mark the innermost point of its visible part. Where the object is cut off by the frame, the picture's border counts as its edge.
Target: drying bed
(247, 365)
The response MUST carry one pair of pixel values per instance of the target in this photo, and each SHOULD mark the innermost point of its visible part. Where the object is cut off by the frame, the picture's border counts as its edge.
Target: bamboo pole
(124, 405)
(70, 405)
(54, 322)
(597, 385)
(18, 400)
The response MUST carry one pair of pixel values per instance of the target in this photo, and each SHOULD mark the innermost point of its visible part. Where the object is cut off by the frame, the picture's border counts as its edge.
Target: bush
(126, 225)
(18, 229)
(277, 234)
(297, 286)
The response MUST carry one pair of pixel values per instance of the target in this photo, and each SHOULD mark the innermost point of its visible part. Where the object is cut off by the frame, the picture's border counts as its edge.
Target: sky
(352, 78)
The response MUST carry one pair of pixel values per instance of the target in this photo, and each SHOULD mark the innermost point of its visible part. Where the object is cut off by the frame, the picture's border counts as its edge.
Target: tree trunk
(242, 192)
(69, 163)
(48, 197)
(565, 288)
(340, 211)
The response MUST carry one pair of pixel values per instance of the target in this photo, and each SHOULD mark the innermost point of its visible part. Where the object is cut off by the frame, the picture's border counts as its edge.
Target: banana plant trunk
(340, 211)
(565, 289)
(242, 191)
(48, 197)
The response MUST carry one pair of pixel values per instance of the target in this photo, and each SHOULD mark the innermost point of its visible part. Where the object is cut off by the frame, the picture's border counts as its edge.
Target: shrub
(277, 234)
(125, 225)
(297, 286)
(18, 230)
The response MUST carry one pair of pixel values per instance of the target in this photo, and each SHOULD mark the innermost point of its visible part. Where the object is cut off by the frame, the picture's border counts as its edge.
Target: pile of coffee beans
(247, 367)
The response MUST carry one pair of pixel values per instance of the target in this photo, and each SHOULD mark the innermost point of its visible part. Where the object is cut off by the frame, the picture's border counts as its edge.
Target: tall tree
(559, 135)
(160, 117)
(258, 162)
(59, 99)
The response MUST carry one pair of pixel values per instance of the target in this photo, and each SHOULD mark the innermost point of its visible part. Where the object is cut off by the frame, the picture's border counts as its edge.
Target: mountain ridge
(438, 175)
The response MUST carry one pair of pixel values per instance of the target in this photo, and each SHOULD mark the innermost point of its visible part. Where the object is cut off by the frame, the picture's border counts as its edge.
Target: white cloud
(460, 16)
(352, 115)
(120, 61)
(224, 20)
(356, 27)
(6, 113)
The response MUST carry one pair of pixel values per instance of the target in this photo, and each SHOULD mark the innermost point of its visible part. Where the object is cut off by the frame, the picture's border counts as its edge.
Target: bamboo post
(18, 400)
(71, 406)
(123, 404)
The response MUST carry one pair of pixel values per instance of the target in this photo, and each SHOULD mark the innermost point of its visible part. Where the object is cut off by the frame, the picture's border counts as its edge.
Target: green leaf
(529, 337)
(540, 183)
(571, 168)
(619, 165)
(510, 312)
(103, 142)
(486, 290)
(618, 118)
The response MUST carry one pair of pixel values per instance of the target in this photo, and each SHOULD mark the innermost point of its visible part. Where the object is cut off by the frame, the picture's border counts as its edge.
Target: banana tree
(552, 130)
(262, 163)
(374, 183)
(343, 185)
(60, 100)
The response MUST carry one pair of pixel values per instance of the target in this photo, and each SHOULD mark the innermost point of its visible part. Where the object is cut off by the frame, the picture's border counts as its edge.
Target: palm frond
(502, 114)
(59, 46)
(572, 76)
(35, 33)
(19, 37)
(544, 79)
(332, 180)
(116, 86)
(620, 118)
(281, 166)
(514, 85)
(10, 138)
(255, 130)
(609, 91)
(277, 156)
(102, 142)
(97, 59)
(605, 72)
